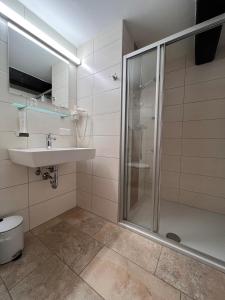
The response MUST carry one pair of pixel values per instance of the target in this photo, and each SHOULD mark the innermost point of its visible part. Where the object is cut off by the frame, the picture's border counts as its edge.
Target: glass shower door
(140, 139)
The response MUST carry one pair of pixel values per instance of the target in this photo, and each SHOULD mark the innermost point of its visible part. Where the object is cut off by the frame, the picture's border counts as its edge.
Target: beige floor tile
(34, 253)
(130, 245)
(4, 295)
(108, 233)
(72, 246)
(83, 220)
(43, 227)
(193, 278)
(140, 250)
(53, 280)
(115, 277)
(185, 297)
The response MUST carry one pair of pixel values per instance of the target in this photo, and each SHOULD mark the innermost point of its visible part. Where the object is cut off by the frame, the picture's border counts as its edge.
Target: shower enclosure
(173, 143)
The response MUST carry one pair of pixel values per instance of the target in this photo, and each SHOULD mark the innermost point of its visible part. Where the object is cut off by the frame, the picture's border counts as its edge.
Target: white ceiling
(148, 20)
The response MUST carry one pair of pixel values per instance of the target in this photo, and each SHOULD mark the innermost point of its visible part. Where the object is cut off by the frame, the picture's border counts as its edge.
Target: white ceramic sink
(42, 157)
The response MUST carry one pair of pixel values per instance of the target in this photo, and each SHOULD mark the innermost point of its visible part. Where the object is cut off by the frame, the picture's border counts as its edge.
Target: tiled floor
(81, 256)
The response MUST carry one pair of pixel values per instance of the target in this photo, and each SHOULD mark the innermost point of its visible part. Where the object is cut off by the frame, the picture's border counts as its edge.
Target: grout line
(57, 196)
(7, 290)
(158, 259)
(196, 101)
(64, 263)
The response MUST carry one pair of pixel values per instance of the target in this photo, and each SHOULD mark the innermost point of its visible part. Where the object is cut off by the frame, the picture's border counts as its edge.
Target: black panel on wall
(206, 43)
(27, 83)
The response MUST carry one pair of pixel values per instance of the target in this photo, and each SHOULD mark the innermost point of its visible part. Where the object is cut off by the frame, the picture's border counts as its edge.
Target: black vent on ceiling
(27, 83)
(206, 43)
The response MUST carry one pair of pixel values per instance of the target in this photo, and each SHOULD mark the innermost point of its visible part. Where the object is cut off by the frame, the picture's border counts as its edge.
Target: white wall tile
(3, 30)
(85, 103)
(66, 184)
(174, 64)
(85, 49)
(3, 57)
(26, 219)
(12, 174)
(171, 146)
(107, 102)
(87, 67)
(208, 90)
(84, 87)
(174, 79)
(204, 147)
(4, 87)
(174, 96)
(84, 166)
(170, 179)
(107, 124)
(172, 130)
(107, 146)
(169, 193)
(10, 140)
(103, 81)
(13, 199)
(106, 167)
(173, 113)
(204, 129)
(103, 104)
(171, 163)
(8, 117)
(214, 109)
(204, 166)
(203, 184)
(84, 182)
(204, 72)
(108, 56)
(203, 201)
(105, 188)
(84, 199)
(47, 210)
(105, 208)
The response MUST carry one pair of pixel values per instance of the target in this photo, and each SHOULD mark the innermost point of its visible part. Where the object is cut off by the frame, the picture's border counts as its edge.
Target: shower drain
(173, 236)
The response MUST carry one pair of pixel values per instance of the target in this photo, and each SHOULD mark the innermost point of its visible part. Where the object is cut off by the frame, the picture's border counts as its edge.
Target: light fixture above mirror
(30, 29)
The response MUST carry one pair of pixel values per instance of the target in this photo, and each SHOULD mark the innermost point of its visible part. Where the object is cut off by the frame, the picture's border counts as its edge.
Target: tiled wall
(100, 95)
(193, 160)
(22, 192)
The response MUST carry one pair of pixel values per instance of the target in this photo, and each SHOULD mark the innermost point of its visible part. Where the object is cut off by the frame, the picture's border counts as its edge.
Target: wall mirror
(36, 71)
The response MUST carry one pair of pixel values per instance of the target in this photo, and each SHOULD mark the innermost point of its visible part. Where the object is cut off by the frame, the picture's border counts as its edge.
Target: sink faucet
(49, 139)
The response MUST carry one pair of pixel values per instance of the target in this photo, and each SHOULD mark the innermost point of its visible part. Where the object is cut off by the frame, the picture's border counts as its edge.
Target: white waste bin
(11, 238)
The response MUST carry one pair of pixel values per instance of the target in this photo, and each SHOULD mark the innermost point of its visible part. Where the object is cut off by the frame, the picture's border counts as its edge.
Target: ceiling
(147, 20)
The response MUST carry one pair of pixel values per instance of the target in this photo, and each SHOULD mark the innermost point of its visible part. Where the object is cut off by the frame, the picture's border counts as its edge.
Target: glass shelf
(39, 109)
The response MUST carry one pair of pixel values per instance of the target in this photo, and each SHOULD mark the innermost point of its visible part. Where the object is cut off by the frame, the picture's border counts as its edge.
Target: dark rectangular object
(27, 83)
(206, 42)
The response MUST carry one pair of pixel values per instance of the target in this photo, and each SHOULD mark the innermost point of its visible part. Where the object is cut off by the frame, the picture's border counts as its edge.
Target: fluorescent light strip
(29, 37)
(21, 22)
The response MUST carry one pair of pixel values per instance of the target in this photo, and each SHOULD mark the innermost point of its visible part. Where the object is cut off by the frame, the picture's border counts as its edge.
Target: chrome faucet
(49, 139)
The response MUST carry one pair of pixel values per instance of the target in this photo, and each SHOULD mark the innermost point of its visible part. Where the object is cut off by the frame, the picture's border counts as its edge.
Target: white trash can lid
(9, 223)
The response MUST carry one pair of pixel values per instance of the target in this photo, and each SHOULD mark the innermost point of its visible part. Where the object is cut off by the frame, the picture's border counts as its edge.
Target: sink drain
(173, 236)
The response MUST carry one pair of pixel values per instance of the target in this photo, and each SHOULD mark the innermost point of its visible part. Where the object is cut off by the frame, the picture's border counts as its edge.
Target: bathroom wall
(193, 160)
(100, 95)
(22, 192)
